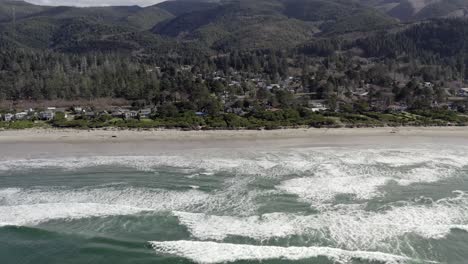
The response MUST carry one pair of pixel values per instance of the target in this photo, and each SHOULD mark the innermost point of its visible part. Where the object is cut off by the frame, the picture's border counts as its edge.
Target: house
(186, 68)
(77, 109)
(8, 117)
(21, 115)
(47, 115)
(463, 92)
(428, 85)
(117, 113)
(317, 105)
(200, 114)
(130, 114)
(145, 113)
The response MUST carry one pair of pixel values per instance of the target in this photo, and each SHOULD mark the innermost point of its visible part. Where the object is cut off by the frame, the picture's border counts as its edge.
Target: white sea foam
(260, 163)
(186, 164)
(21, 215)
(346, 226)
(212, 252)
(360, 181)
(235, 197)
(158, 200)
(325, 172)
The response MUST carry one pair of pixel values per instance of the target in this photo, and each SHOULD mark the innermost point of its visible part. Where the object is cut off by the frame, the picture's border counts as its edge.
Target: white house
(317, 105)
(20, 115)
(78, 109)
(8, 117)
(463, 92)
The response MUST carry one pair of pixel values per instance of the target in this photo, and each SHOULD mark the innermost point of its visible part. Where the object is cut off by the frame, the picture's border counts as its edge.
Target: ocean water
(340, 204)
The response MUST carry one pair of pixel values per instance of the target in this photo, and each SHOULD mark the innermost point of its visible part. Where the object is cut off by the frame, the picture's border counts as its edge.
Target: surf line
(214, 252)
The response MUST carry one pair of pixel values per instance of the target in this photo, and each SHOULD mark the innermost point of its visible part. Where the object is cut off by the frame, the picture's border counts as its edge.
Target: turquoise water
(363, 204)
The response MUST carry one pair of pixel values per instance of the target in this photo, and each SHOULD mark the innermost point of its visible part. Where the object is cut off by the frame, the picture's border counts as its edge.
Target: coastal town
(240, 95)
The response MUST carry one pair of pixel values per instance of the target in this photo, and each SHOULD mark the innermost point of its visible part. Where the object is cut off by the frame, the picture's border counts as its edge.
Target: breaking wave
(271, 163)
(349, 227)
(24, 215)
(212, 252)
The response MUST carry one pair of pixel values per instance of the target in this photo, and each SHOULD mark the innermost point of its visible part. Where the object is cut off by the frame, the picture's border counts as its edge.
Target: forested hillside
(238, 55)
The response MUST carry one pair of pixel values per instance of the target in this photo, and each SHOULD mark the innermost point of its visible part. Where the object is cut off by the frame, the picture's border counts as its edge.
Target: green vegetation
(241, 63)
(23, 124)
(288, 118)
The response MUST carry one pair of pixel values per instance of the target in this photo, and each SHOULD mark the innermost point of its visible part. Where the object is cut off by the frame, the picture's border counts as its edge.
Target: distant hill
(211, 24)
(420, 9)
(180, 7)
(263, 23)
(20, 9)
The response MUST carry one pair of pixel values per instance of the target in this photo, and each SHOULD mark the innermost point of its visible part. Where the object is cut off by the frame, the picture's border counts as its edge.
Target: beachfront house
(317, 105)
(47, 115)
(8, 117)
(117, 113)
(130, 114)
(78, 109)
(145, 113)
(463, 92)
(21, 115)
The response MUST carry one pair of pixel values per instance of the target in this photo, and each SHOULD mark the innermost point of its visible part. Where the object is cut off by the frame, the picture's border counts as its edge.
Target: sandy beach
(107, 135)
(69, 142)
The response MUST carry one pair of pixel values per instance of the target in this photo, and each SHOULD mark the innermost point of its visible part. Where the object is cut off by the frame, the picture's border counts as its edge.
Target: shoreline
(61, 143)
(133, 135)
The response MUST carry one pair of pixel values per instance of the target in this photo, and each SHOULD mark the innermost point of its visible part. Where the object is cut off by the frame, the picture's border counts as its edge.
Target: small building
(8, 117)
(428, 85)
(317, 105)
(145, 113)
(47, 115)
(117, 113)
(463, 92)
(186, 68)
(130, 114)
(78, 109)
(21, 115)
